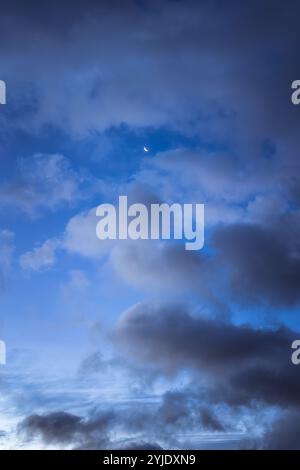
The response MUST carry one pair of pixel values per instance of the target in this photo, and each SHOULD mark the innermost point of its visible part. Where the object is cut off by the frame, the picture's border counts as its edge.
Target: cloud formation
(64, 428)
(209, 83)
(240, 363)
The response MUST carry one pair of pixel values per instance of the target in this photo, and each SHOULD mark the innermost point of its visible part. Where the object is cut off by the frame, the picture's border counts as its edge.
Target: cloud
(92, 364)
(173, 339)
(263, 263)
(232, 191)
(160, 266)
(238, 364)
(189, 67)
(142, 446)
(45, 182)
(68, 429)
(41, 257)
(79, 237)
(53, 427)
(187, 61)
(183, 409)
(205, 175)
(208, 406)
(161, 423)
(283, 435)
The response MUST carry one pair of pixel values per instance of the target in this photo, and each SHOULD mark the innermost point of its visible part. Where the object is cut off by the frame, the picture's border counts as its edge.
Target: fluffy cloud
(78, 238)
(43, 256)
(160, 266)
(45, 182)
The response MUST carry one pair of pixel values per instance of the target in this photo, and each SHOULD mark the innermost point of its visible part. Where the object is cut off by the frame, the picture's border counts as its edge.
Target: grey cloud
(143, 446)
(239, 364)
(145, 426)
(172, 338)
(53, 427)
(92, 364)
(46, 182)
(68, 429)
(281, 434)
(183, 409)
(186, 60)
(251, 263)
(162, 267)
(263, 263)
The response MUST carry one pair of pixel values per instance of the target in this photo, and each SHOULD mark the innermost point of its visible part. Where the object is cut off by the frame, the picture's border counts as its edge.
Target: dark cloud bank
(234, 369)
(144, 427)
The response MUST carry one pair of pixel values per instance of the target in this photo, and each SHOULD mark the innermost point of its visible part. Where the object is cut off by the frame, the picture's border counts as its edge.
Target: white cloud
(80, 236)
(46, 181)
(41, 257)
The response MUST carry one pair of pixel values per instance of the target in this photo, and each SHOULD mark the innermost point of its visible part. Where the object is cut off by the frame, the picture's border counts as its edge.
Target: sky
(123, 344)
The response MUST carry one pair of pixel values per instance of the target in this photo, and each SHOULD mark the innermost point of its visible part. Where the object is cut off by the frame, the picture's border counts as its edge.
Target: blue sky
(122, 344)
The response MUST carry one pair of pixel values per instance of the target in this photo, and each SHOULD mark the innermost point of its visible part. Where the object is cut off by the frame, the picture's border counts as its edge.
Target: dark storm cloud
(67, 429)
(172, 339)
(238, 366)
(53, 427)
(178, 412)
(261, 261)
(241, 364)
(276, 383)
